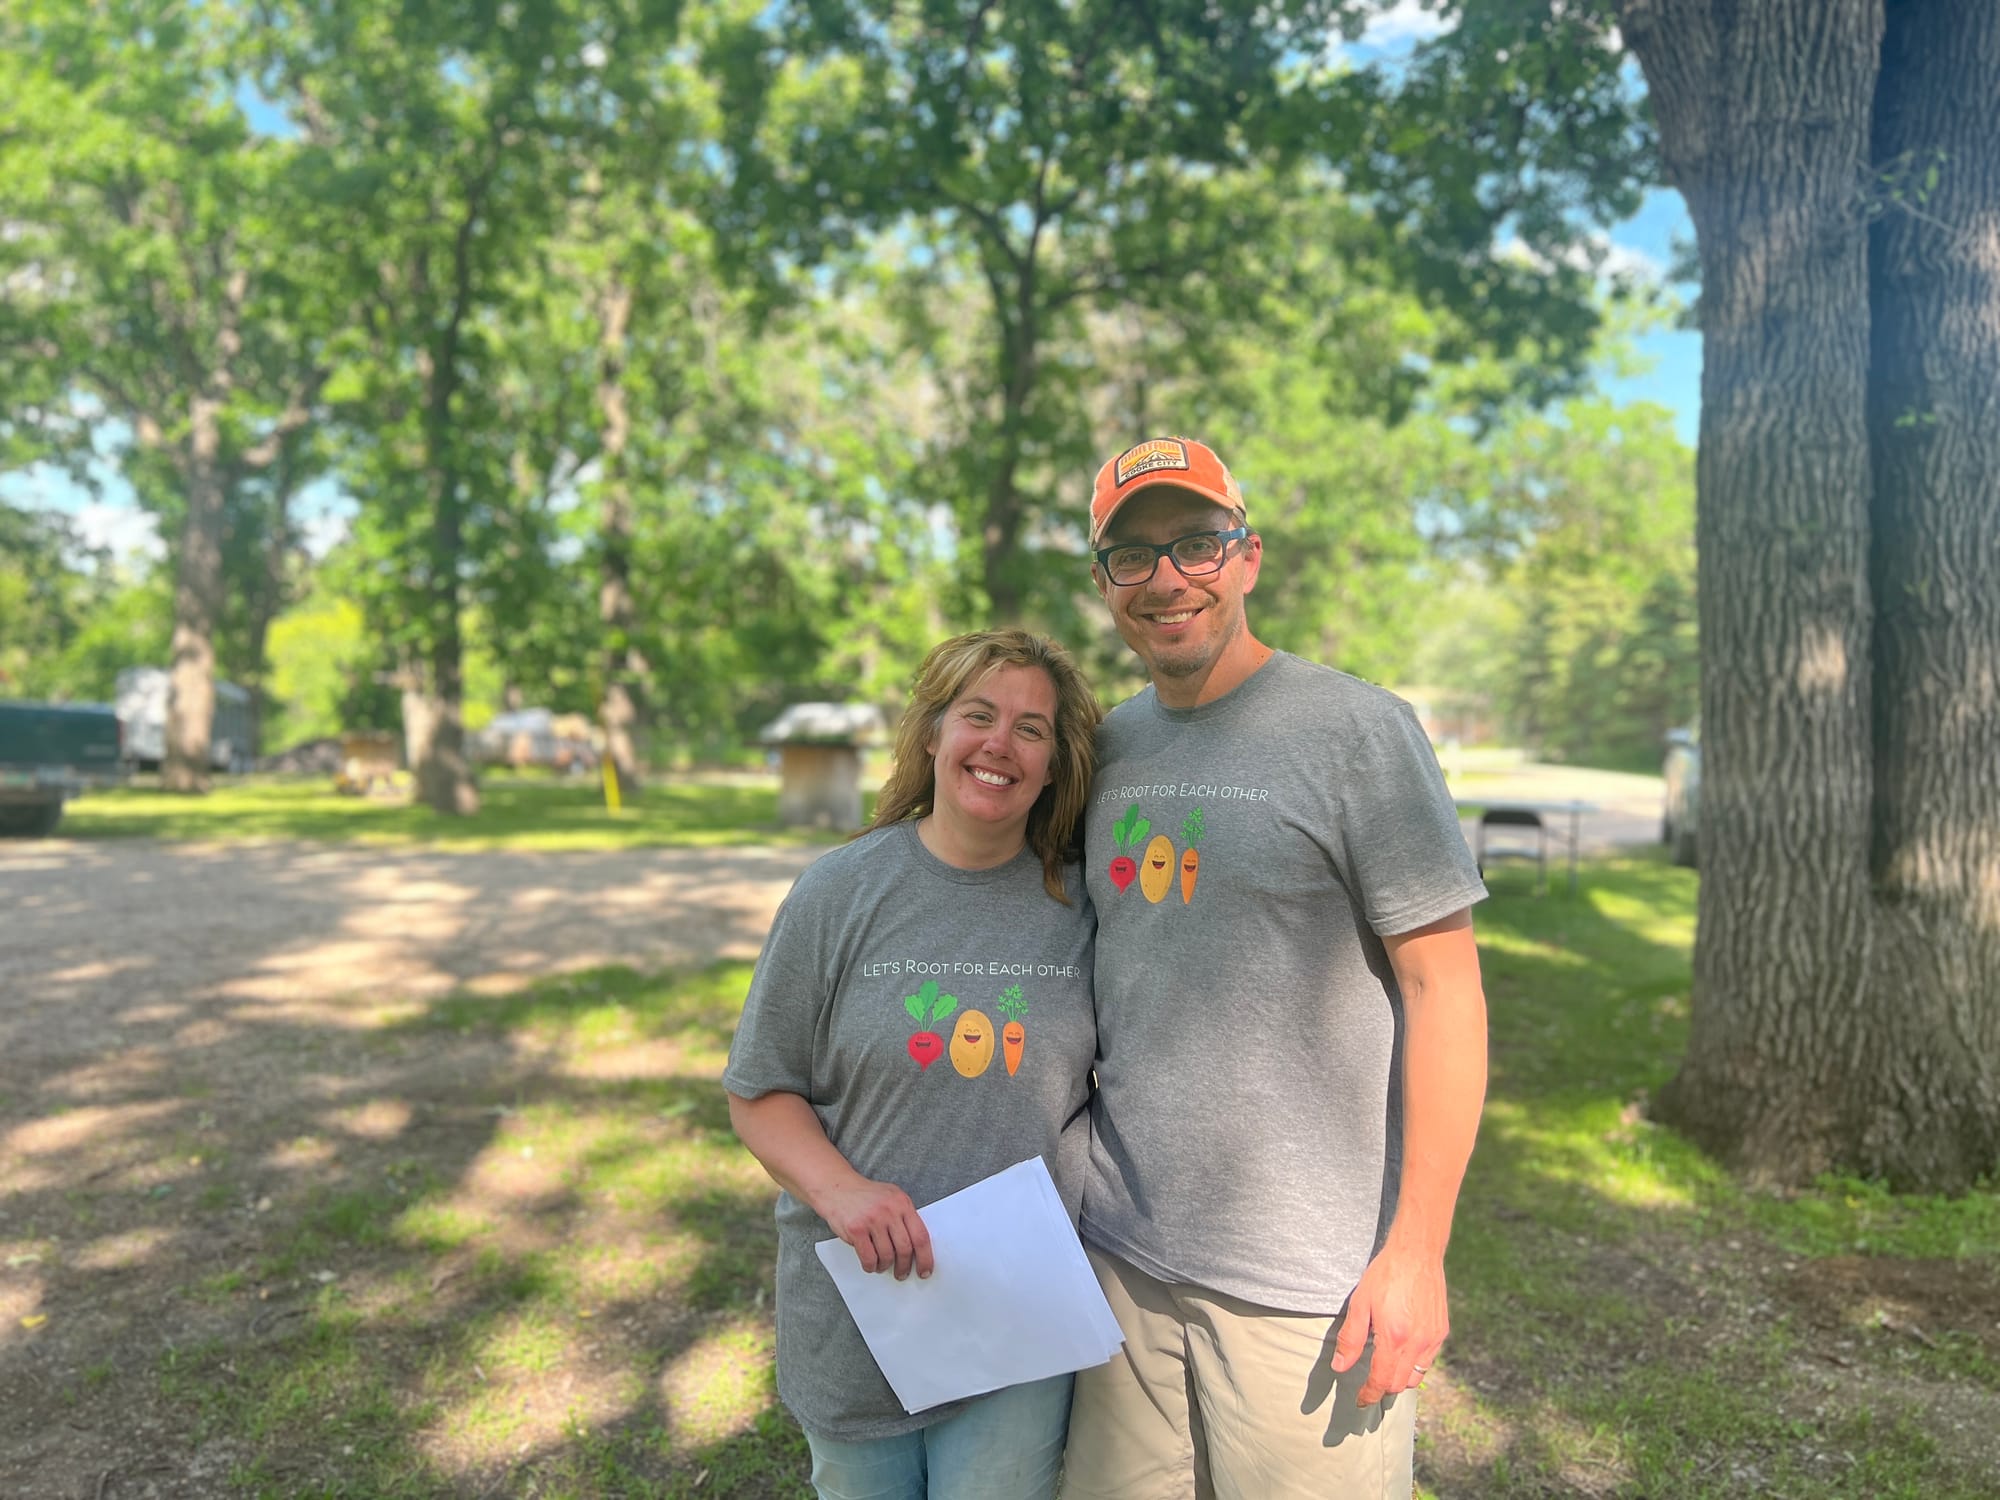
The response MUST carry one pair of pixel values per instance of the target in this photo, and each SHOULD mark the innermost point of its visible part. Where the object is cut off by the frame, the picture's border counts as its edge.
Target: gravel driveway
(107, 945)
(129, 941)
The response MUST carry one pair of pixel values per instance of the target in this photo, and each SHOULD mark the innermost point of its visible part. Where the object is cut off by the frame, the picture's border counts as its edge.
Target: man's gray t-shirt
(1245, 858)
(939, 1022)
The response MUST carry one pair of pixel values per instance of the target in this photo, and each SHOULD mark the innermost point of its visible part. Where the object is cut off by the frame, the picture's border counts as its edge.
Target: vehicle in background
(49, 752)
(536, 737)
(142, 710)
(1681, 815)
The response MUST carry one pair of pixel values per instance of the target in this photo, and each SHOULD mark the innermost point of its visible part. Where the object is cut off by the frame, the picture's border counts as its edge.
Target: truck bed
(50, 752)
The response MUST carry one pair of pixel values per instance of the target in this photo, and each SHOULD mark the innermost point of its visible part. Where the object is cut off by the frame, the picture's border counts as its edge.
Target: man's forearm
(1444, 1077)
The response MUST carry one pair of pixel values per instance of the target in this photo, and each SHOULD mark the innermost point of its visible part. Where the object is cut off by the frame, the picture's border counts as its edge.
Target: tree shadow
(1627, 1320)
(264, 1232)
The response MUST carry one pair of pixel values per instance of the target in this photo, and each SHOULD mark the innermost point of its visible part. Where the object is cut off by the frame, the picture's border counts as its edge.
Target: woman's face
(992, 750)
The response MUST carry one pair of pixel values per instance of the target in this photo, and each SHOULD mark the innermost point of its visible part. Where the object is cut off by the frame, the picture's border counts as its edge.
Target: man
(1291, 1032)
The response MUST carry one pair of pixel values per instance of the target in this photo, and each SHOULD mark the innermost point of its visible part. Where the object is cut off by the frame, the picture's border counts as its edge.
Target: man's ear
(1103, 584)
(1253, 560)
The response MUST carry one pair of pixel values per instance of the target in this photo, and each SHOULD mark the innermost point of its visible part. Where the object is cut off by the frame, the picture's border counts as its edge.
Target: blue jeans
(1004, 1446)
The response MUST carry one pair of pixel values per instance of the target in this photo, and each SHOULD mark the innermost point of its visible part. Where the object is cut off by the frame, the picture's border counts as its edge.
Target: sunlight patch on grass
(714, 1389)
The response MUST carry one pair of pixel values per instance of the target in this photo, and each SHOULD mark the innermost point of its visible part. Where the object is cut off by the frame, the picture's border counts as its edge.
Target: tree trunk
(624, 664)
(269, 595)
(197, 590)
(1764, 119)
(443, 773)
(1933, 1114)
(1001, 526)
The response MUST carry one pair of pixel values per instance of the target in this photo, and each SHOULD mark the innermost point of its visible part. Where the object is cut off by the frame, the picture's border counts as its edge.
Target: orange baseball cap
(1177, 461)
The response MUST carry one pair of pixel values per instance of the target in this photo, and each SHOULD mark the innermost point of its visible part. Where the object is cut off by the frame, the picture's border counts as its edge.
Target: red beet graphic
(928, 1006)
(1126, 833)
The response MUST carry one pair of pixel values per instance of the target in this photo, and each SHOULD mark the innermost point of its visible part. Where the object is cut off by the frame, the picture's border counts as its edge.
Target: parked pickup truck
(49, 752)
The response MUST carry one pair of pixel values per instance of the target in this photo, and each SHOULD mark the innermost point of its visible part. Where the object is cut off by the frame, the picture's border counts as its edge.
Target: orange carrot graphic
(1191, 832)
(1013, 1036)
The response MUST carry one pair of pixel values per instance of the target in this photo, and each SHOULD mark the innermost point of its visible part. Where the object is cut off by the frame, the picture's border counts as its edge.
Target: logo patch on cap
(1148, 457)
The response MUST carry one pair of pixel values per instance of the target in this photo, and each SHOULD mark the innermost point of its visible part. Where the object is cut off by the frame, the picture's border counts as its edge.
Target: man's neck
(1227, 673)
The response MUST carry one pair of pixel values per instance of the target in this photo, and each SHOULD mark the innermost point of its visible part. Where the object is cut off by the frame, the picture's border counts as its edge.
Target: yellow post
(612, 801)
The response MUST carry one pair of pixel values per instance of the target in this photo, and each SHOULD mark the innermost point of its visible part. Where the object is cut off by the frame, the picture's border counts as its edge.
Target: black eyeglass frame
(1165, 550)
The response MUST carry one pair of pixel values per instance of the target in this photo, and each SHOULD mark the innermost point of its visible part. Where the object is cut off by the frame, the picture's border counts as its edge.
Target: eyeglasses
(1197, 555)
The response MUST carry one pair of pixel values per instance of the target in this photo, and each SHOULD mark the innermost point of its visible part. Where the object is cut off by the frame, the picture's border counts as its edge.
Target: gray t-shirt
(939, 1022)
(1245, 858)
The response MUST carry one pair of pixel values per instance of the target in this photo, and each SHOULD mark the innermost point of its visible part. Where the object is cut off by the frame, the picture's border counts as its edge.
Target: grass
(577, 1307)
(555, 1280)
(1629, 1320)
(526, 813)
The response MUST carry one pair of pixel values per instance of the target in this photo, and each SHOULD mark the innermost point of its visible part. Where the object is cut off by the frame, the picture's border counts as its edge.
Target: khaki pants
(1220, 1399)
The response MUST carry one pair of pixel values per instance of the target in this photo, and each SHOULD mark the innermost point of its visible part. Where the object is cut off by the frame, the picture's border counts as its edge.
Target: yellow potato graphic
(1156, 870)
(972, 1043)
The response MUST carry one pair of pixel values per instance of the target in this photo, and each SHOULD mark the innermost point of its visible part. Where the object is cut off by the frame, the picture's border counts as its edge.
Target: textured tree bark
(443, 773)
(1764, 121)
(197, 591)
(623, 664)
(1932, 1116)
(1011, 277)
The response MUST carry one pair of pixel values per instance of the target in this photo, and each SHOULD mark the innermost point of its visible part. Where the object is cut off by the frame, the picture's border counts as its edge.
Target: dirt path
(106, 946)
(167, 1010)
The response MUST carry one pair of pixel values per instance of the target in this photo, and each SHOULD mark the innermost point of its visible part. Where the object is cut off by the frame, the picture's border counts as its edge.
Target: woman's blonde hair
(953, 668)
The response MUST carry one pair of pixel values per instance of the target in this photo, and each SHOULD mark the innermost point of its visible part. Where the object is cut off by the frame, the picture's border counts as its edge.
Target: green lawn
(516, 813)
(1627, 1319)
(553, 1276)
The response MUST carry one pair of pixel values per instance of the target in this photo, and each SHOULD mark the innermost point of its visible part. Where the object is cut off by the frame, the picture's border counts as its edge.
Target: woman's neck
(977, 847)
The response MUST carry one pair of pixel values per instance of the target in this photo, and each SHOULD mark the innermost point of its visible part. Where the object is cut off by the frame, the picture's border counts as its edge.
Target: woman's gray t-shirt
(939, 1022)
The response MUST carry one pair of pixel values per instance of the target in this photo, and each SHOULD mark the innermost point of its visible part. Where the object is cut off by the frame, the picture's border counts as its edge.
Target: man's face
(1179, 626)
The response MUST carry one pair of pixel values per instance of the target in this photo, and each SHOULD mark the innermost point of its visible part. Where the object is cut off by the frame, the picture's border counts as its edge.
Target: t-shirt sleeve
(1405, 851)
(773, 1048)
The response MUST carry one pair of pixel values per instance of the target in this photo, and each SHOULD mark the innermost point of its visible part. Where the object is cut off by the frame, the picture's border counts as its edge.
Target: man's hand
(1401, 1303)
(883, 1226)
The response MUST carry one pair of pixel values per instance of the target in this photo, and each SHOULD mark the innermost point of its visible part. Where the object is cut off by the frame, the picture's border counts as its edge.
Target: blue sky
(1666, 370)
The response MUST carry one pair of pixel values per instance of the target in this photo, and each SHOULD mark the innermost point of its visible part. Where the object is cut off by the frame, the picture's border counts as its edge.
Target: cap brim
(1160, 482)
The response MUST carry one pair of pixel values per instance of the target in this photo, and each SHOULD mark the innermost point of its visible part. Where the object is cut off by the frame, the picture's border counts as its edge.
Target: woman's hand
(883, 1226)
(876, 1218)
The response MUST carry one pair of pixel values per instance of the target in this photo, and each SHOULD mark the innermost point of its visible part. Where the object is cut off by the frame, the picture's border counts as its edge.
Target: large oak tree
(1841, 162)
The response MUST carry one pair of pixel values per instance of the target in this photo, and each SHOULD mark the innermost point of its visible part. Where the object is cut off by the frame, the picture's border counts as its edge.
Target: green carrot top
(1010, 1004)
(1191, 828)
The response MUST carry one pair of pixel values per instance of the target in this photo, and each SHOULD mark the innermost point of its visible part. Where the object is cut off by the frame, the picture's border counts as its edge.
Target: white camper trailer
(142, 712)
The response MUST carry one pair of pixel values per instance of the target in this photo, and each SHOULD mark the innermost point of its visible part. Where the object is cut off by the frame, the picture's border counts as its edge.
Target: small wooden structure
(369, 761)
(819, 749)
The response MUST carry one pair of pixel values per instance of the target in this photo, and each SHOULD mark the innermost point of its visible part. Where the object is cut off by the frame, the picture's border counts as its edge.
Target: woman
(921, 1019)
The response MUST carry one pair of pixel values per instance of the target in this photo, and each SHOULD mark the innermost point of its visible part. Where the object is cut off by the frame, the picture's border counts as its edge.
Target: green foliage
(1572, 536)
(318, 651)
(46, 602)
(810, 322)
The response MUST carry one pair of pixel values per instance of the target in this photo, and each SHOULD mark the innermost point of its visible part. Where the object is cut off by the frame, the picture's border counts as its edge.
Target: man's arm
(1400, 1300)
(876, 1218)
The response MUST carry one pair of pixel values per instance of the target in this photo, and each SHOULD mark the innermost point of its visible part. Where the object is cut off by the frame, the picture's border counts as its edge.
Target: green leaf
(1121, 831)
(1191, 828)
(915, 1007)
(1139, 834)
(946, 1004)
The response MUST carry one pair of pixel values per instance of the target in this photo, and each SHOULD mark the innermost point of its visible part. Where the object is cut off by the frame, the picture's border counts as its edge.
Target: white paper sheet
(1012, 1298)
